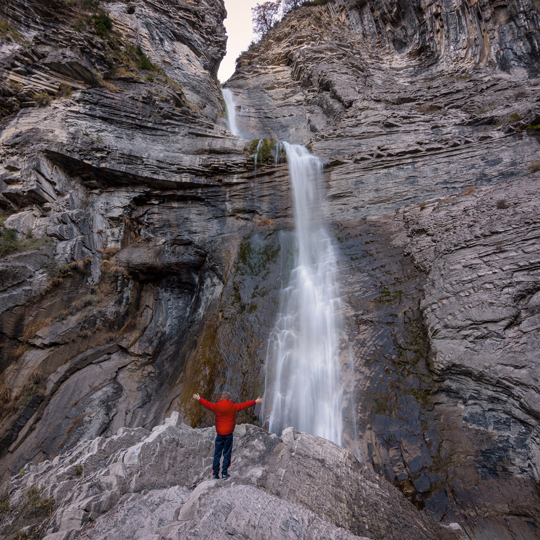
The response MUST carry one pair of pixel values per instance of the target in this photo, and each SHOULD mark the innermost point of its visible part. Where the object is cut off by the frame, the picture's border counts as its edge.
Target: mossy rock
(255, 259)
(267, 151)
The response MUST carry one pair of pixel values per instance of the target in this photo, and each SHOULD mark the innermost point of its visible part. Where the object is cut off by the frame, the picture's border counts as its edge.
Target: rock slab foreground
(155, 485)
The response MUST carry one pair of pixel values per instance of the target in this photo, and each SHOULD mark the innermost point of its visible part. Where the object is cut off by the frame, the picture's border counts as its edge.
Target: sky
(239, 31)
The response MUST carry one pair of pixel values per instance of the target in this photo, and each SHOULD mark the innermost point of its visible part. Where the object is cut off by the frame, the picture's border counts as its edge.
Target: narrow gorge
(145, 246)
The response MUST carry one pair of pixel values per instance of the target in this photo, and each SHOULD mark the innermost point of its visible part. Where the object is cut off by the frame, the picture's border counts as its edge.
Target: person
(225, 413)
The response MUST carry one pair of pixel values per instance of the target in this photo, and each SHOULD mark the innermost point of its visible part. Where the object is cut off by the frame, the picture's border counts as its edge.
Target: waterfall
(303, 383)
(230, 105)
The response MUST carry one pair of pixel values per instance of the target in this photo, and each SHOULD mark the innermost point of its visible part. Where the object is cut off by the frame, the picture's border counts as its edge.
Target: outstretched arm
(204, 403)
(248, 404)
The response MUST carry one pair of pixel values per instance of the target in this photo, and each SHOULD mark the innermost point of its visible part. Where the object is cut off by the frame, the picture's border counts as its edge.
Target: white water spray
(230, 105)
(303, 383)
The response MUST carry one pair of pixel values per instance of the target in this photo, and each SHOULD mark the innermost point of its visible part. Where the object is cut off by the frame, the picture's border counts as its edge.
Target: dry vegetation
(469, 190)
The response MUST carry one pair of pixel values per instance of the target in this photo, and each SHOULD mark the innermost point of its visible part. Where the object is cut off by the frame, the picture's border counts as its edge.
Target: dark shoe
(225, 476)
(215, 477)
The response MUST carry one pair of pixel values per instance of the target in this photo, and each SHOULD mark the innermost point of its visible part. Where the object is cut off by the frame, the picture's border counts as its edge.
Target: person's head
(226, 396)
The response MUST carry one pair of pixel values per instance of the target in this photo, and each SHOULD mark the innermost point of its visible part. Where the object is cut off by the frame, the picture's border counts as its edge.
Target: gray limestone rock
(141, 484)
(161, 253)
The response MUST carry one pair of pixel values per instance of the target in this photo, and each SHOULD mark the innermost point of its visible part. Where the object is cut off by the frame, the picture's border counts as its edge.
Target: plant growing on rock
(469, 190)
(4, 503)
(144, 61)
(64, 90)
(38, 505)
(31, 329)
(112, 269)
(263, 151)
(8, 241)
(534, 166)
(102, 24)
(9, 32)
(5, 393)
(42, 99)
(20, 350)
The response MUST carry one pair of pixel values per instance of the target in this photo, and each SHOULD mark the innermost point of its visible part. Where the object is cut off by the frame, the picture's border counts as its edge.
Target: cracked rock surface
(142, 484)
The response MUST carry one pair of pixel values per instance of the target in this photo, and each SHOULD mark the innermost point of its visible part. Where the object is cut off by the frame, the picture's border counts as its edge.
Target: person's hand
(259, 400)
(197, 397)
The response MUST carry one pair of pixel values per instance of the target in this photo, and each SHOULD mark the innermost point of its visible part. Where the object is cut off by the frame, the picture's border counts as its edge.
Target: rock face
(143, 253)
(294, 486)
(434, 312)
(84, 170)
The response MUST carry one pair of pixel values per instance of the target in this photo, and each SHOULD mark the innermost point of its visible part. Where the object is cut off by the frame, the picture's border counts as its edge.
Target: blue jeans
(223, 446)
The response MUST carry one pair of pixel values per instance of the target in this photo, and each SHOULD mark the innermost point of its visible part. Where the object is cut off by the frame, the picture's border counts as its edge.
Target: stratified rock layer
(407, 102)
(149, 252)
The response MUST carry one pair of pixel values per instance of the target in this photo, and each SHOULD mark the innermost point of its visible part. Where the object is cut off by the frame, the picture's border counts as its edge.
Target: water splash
(303, 383)
(230, 105)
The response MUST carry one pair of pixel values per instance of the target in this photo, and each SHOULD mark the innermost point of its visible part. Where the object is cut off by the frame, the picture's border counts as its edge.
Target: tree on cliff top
(291, 4)
(264, 16)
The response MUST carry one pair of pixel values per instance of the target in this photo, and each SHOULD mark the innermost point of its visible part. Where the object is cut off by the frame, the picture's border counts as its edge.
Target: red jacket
(225, 412)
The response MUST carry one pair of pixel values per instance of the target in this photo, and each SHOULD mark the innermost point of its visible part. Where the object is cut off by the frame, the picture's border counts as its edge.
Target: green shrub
(42, 99)
(9, 32)
(515, 117)
(4, 215)
(65, 90)
(102, 24)
(43, 507)
(144, 62)
(266, 150)
(8, 242)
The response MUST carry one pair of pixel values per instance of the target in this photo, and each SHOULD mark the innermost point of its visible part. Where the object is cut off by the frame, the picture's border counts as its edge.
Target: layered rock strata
(149, 252)
(402, 114)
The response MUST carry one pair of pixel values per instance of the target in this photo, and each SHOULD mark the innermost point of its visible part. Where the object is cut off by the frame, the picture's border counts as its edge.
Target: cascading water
(303, 383)
(230, 105)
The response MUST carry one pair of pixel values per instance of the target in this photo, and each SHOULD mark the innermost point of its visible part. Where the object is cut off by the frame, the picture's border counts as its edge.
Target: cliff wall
(149, 252)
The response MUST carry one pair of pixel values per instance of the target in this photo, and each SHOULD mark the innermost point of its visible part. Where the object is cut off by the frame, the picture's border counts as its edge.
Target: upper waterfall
(230, 105)
(303, 384)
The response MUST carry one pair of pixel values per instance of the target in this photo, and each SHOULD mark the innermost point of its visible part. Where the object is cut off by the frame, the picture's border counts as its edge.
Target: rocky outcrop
(446, 387)
(142, 484)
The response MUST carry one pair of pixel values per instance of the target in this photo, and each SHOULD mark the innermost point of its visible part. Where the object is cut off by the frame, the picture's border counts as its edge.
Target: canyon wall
(149, 251)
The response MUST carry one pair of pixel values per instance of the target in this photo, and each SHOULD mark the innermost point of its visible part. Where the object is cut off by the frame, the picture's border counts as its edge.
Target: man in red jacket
(225, 411)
